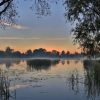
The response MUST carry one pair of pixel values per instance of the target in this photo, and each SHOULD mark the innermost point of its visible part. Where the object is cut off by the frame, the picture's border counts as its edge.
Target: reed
(4, 86)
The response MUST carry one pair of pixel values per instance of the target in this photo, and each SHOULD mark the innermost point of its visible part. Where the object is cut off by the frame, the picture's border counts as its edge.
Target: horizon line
(39, 48)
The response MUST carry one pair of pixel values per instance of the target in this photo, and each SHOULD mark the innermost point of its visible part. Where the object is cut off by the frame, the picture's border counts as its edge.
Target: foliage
(8, 9)
(7, 12)
(11, 53)
(86, 15)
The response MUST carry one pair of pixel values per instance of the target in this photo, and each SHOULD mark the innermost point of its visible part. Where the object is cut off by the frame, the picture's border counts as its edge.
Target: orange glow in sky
(50, 32)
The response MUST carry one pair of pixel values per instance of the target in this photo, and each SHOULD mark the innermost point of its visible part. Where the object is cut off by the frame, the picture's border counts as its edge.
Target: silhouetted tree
(2, 53)
(68, 53)
(9, 52)
(29, 53)
(17, 54)
(8, 9)
(55, 53)
(41, 52)
(86, 15)
(63, 53)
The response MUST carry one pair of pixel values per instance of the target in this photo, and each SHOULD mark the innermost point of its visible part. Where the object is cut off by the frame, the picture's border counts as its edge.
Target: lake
(51, 79)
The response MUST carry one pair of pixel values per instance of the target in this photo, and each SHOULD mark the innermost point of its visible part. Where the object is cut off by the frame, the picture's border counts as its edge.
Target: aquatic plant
(4, 86)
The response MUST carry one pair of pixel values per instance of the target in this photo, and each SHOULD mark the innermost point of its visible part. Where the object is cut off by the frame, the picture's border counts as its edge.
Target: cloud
(32, 38)
(18, 38)
(56, 39)
(15, 26)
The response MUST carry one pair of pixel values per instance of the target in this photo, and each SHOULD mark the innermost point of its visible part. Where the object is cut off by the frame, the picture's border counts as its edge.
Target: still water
(45, 79)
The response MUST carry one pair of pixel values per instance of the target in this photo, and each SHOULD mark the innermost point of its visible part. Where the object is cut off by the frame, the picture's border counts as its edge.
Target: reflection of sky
(56, 78)
(51, 32)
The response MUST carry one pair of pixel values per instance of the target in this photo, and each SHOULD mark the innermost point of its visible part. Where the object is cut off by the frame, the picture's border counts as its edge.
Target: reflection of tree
(5, 93)
(63, 62)
(91, 80)
(9, 63)
(74, 81)
(39, 64)
(4, 87)
(76, 61)
(68, 62)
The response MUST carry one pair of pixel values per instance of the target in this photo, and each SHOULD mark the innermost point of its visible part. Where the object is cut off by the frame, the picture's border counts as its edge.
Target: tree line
(41, 52)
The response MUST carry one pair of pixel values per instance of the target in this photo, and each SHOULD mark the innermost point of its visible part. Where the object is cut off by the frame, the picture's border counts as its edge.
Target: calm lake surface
(44, 79)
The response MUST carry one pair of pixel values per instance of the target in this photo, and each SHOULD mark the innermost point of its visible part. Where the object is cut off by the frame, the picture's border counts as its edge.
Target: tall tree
(86, 15)
(7, 11)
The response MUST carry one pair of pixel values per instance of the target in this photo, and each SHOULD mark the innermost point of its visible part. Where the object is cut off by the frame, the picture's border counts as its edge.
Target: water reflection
(63, 62)
(84, 78)
(9, 62)
(68, 62)
(90, 81)
(74, 81)
(32, 64)
(41, 64)
(5, 93)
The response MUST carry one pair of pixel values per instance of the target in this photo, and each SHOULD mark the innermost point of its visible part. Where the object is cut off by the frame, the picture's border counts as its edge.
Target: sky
(32, 31)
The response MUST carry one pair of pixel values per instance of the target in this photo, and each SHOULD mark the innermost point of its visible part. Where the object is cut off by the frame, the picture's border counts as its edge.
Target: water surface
(44, 79)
